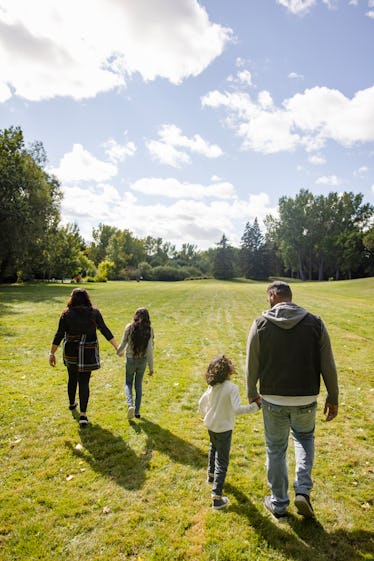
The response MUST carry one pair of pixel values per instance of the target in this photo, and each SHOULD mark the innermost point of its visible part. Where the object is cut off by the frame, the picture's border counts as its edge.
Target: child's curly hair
(218, 370)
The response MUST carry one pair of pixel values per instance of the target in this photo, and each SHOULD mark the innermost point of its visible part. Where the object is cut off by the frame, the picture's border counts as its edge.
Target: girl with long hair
(138, 342)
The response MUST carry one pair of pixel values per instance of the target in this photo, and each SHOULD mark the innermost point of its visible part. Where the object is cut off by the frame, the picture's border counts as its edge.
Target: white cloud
(170, 149)
(297, 6)
(328, 180)
(81, 165)
(307, 119)
(172, 188)
(370, 14)
(317, 160)
(295, 76)
(5, 92)
(361, 172)
(79, 49)
(119, 152)
(195, 221)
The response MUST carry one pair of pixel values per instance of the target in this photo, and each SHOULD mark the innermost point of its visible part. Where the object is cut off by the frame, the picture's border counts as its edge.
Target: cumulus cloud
(119, 152)
(242, 78)
(172, 188)
(332, 180)
(295, 76)
(171, 147)
(78, 49)
(306, 120)
(194, 220)
(81, 165)
(317, 160)
(297, 6)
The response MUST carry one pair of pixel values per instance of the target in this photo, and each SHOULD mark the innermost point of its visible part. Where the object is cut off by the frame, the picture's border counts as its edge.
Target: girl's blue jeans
(279, 421)
(135, 368)
(218, 458)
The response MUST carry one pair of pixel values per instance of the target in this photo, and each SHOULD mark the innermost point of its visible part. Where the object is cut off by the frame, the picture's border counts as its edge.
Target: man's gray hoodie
(288, 349)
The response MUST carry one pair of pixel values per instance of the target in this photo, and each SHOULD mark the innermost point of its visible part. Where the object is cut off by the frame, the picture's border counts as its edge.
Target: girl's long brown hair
(140, 331)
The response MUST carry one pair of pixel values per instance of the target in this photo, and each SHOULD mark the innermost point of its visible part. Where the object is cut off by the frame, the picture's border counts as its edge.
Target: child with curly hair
(219, 404)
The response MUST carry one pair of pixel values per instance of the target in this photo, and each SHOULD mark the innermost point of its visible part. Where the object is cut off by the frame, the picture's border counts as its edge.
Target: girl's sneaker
(219, 502)
(83, 420)
(130, 412)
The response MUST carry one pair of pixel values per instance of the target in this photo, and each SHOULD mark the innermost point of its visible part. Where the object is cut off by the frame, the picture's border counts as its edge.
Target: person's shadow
(111, 456)
(176, 448)
(312, 543)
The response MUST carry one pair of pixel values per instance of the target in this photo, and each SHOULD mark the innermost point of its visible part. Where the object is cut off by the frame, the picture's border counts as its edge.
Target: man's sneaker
(279, 516)
(83, 420)
(210, 478)
(219, 502)
(130, 412)
(303, 505)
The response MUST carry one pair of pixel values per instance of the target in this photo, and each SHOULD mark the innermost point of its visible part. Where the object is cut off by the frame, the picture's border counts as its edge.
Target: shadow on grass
(112, 457)
(176, 448)
(312, 542)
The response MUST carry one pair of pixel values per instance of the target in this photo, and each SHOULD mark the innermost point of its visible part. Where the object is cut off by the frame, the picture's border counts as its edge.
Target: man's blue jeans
(135, 368)
(279, 420)
(218, 458)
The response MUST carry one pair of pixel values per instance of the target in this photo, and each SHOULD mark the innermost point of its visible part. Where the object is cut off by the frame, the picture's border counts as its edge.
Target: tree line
(312, 238)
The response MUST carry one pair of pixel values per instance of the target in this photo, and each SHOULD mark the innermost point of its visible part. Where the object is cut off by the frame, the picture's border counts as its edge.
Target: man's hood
(285, 315)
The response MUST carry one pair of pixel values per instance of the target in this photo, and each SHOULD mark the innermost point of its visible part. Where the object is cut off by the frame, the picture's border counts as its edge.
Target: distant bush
(166, 273)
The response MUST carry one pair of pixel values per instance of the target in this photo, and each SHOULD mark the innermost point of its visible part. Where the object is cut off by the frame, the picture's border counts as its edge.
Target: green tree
(252, 252)
(30, 200)
(224, 260)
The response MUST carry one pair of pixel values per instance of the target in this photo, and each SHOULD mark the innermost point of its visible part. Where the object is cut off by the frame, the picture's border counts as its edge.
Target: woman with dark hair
(138, 341)
(77, 327)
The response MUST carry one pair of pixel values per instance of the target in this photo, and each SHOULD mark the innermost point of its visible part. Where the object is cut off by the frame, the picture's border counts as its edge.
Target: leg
(84, 390)
(129, 380)
(72, 383)
(277, 429)
(139, 374)
(302, 429)
(211, 459)
(222, 443)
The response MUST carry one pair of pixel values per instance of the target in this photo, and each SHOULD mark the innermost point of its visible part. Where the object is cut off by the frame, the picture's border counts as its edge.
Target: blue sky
(186, 119)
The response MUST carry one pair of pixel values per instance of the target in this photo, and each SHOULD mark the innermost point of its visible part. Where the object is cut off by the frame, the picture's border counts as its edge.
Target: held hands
(257, 400)
(330, 411)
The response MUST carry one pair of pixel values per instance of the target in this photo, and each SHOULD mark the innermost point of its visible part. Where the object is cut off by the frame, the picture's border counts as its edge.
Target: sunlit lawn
(118, 490)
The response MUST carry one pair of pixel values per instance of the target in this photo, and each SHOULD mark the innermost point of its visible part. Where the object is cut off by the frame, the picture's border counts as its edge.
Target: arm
(329, 375)
(56, 341)
(253, 364)
(149, 353)
(124, 341)
(104, 329)
(238, 408)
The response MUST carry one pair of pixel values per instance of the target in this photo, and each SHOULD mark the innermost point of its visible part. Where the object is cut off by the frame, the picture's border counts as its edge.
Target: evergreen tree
(223, 268)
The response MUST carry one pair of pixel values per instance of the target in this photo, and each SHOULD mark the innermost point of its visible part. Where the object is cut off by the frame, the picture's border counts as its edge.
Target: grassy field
(136, 490)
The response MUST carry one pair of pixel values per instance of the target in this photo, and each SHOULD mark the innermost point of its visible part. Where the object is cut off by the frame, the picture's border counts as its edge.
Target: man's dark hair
(280, 288)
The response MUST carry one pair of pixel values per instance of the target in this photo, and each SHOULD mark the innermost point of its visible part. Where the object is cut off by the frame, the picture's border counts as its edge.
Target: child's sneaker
(303, 505)
(219, 502)
(278, 516)
(130, 412)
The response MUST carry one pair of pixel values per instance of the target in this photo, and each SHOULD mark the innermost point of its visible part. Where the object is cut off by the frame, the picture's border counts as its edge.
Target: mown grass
(136, 491)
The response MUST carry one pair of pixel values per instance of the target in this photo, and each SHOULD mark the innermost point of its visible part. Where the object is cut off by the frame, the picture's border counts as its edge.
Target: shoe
(303, 505)
(73, 406)
(210, 478)
(279, 516)
(137, 415)
(83, 420)
(130, 412)
(219, 502)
